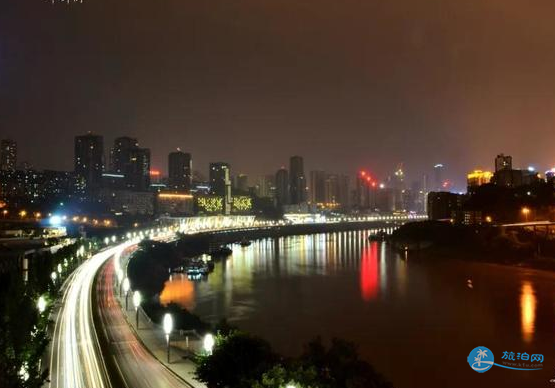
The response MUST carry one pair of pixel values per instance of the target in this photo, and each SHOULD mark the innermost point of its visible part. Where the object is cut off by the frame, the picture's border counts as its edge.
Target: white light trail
(79, 361)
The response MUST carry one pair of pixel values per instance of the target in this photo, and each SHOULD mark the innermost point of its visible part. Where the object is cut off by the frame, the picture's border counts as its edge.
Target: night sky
(345, 83)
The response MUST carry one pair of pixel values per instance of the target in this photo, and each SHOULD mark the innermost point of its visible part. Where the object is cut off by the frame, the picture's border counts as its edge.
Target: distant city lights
(55, 220)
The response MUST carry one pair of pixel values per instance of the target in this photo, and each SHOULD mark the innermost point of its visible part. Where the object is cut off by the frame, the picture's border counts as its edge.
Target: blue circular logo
(480, 359)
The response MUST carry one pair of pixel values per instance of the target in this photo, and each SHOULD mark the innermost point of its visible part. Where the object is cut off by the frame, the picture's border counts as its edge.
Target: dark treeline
(241, 360)
(504, 204)
(23, 329)
(488, 243)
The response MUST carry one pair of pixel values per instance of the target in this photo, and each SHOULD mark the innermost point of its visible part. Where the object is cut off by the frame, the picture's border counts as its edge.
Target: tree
(340, 366)
(236, 360)
(223, 327)
(282, 376)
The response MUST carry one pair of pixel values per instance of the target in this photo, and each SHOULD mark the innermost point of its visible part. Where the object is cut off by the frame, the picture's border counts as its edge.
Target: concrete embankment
(230, 236)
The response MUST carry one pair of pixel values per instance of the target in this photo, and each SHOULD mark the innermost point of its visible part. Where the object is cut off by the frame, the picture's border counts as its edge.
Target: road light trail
(138, 367)
(76, 358)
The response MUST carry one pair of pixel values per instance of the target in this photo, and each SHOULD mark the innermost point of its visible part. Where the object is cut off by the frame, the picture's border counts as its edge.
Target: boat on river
(380, 235)
(245, 243)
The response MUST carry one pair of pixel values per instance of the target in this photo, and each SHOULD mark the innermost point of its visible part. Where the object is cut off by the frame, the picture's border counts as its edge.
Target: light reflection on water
(527, 311)
(179, 289)
(400, 312)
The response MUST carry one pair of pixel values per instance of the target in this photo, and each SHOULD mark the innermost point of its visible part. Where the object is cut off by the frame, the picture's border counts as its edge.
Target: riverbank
(286, 291)
(487, 244)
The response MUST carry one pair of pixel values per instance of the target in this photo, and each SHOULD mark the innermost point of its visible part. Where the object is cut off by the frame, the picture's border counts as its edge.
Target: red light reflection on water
(369, 272)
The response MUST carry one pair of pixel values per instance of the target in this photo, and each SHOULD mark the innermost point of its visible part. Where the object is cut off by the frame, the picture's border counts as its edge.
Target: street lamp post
(126, 287)
(168, 327)
(137, 304)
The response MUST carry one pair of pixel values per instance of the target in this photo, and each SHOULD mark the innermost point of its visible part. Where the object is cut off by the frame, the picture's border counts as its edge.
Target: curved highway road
(76, 359)
(138, 367)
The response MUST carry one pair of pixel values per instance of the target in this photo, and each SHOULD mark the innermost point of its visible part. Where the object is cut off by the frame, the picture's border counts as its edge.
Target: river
(415, 320)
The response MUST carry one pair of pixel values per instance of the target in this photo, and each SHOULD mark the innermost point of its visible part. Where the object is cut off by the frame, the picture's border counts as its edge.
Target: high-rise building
(317, 187)
(398, 186)
(265, 186)
(282, 187)
(219, 176)
(88, 158)
(503, 162)
(337, 191)
(438, 177)
(220, 183)
(8, 155)
(242, 183)
(343, 191)
(138, 173)
(442, 205)
(297, 181)
(365, 186)
(180, 171)
(331, 189)
(121, 154)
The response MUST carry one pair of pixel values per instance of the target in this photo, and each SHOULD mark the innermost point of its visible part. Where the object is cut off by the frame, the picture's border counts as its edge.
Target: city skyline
(394, 88)
(456, 181)
(277, 193)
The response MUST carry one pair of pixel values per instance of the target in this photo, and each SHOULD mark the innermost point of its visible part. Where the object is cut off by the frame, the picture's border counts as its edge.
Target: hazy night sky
(345, 83)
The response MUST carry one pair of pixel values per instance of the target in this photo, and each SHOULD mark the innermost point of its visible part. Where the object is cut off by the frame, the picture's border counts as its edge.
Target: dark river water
(416, 321)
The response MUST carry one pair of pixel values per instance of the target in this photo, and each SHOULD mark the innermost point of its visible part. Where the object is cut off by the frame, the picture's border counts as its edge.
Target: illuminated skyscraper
(89, 159)
(180, 171)
(220, 183)
(8, 155)
(297, 181)
(398, 186)
(219, 176)
(478, 178)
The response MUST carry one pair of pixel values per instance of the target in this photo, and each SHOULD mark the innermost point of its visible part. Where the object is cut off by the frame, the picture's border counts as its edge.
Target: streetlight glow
(41, 304)
(137, 304)
(126, 287)
(168, 324)
(136, 299)
(208, 343)
(168, 327)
